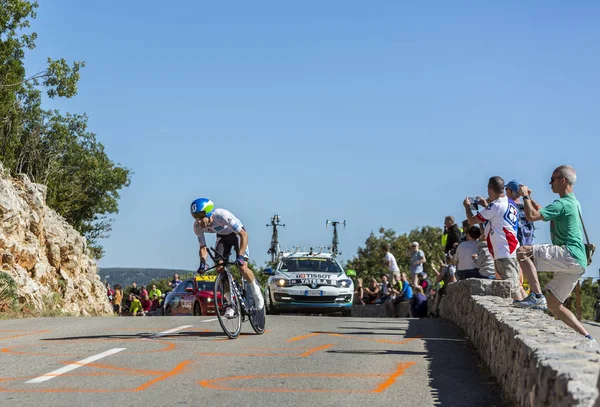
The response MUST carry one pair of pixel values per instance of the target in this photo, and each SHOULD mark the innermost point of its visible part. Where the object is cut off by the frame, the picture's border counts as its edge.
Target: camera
(474, 205)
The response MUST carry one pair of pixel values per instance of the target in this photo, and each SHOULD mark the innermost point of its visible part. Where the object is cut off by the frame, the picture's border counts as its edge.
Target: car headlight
(209, 300)
(344, 283)
(282, 282)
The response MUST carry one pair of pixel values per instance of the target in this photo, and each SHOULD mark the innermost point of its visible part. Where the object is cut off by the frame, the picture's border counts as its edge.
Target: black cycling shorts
(225, 243)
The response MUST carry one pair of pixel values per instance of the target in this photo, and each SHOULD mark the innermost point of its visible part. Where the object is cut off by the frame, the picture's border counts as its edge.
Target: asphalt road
(593, 328)
(300, 360)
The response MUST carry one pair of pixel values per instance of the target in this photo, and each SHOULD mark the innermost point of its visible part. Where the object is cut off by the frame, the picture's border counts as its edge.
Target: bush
(8, 292)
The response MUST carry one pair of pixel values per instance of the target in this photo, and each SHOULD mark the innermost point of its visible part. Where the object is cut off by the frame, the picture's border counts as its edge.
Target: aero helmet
(202, 205)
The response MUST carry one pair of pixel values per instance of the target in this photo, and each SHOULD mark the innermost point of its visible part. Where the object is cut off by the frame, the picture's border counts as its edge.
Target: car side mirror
(189, 289)
(268, 271)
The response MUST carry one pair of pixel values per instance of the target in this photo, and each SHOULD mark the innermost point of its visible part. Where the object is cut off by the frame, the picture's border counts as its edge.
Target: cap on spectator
(513, 185)
(414, 244)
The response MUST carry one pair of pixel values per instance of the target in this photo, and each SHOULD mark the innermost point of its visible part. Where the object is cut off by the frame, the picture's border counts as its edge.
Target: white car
(307, 282)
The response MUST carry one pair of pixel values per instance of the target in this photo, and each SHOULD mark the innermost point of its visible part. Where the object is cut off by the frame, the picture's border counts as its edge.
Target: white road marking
(170, 331)
(209, 320)
(74, 366)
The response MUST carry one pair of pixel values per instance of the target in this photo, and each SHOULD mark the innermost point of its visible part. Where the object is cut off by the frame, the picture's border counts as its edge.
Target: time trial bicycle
(232, 304)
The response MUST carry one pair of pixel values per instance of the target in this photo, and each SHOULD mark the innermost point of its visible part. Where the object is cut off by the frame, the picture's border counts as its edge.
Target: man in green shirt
(565, 256)
(154, 293)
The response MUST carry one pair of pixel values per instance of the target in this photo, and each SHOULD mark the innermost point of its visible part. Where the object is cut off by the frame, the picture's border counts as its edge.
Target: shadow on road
(147, 335)
(378, 352)
(457, 376)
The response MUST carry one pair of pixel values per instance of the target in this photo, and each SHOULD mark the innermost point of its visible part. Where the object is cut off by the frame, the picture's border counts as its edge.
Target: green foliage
(369, 259)
(8, 292)
(52, 148)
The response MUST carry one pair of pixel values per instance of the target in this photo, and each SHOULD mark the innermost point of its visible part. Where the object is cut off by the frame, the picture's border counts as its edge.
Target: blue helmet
(202, 207)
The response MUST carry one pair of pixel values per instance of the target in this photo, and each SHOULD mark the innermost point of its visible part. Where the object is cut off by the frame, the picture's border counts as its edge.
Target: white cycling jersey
(224, 223)
(501, 217)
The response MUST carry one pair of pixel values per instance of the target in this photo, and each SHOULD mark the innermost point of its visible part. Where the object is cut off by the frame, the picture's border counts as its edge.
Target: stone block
(500, 288)
(537, 359)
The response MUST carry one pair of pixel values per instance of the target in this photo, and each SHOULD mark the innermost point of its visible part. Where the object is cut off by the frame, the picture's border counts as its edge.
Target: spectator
(395, 294)
(425, 284)
(500, 218)
(464, 230)
(146, 304)
(110, 293)
(118, 299)
(155, 295)
(418, 304)
(175, 282)
(525, 230)
(371, 292)
(134, 289)
(407, 292)
(484, 261)
(452, 233)
(465, 253)
(446, 276)
(359, 292)
(417, 259)
(566, 256)
(143, 292)
(384, 293)
(389, 262)
(136, 306)
(396, 287)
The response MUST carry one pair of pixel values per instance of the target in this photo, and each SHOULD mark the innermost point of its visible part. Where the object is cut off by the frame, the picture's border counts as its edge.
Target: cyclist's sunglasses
(199, 215)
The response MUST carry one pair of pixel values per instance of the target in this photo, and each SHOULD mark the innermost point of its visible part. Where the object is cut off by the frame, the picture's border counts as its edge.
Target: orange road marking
(306, 352)
(311, 351)
(169, 346)
(178, 369)
(20, 335)
(212, 384)
(125, 369)
(163, 375)
(298, 338)
(392, 379)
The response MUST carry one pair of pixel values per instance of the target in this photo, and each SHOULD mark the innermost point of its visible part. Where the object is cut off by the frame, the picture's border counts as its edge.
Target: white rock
(46, 257)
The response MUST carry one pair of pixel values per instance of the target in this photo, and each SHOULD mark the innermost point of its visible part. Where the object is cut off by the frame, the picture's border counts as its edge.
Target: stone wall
(46, 257)
(380, 310)
(538, 360)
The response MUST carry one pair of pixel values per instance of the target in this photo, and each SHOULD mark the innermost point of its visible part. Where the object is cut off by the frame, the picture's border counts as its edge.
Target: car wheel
(347, 312)
(168, 311)
(197, 310)
(270, 308)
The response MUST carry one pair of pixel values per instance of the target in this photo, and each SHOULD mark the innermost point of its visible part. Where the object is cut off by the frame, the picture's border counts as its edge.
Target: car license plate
(313, 293)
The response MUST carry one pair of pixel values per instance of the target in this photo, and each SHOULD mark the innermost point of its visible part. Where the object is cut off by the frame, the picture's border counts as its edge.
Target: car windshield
(206, 286)
(311, 264)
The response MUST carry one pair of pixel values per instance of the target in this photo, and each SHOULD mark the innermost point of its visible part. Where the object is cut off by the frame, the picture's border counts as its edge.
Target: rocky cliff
(46, 257)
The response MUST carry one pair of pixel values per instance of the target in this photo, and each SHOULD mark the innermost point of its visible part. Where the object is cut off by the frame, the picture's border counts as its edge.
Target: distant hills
(124, 275)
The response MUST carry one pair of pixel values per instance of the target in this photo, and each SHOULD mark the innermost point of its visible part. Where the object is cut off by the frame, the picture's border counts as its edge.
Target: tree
(49, 147)
(368, 261)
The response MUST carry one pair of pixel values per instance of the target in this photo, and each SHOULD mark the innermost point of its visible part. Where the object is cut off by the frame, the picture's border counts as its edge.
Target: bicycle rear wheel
(256, 317)
(224, 300)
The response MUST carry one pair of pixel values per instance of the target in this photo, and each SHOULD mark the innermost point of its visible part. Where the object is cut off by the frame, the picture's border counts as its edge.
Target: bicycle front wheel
(256, 316)
(227, 306)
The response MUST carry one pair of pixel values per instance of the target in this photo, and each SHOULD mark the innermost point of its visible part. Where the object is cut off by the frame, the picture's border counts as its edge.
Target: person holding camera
(500, 220)
(566, 256)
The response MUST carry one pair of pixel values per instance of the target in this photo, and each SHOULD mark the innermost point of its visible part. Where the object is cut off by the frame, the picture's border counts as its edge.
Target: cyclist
(230, 234)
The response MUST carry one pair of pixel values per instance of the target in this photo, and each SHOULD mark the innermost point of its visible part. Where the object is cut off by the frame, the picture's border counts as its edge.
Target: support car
(308, 282)
(194, 296)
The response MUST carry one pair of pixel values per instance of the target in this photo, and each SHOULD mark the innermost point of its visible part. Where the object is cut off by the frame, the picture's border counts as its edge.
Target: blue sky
(378, 113)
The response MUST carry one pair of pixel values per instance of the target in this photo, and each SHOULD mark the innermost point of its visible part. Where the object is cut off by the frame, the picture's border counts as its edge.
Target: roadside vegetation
(53, 148)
